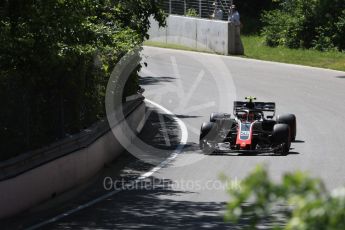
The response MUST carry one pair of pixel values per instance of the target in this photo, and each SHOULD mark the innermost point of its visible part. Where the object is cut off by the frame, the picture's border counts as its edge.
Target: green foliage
(322, 40)
(290, 26)
(55, 60)
(340, 31)
(315, 24)
(192, 13)
(307, 204)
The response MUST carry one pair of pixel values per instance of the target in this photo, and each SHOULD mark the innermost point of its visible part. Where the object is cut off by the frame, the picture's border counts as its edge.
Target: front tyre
(281, 136)
(208, 134)
(290, 120)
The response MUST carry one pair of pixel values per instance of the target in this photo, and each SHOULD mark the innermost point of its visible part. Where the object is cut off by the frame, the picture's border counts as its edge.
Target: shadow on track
(147, 207)
(298, 141)
(186, 116)
(194, 147)
(148, 80)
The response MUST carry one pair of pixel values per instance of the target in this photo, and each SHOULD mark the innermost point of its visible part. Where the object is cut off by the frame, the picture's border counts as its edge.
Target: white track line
(183, 142)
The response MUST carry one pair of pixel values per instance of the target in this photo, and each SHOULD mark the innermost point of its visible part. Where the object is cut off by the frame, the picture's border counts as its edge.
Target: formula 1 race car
(253, 129)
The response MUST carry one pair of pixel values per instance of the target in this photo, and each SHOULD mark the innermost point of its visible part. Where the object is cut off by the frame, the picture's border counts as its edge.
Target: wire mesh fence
(203, 8)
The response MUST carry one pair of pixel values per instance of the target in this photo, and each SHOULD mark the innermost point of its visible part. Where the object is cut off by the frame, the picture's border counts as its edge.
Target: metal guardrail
(27, 161)
(204, 8)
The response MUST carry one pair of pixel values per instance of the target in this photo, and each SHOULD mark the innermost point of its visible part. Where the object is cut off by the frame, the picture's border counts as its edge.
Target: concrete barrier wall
(211, 35)
(39, 184)
(177, 26)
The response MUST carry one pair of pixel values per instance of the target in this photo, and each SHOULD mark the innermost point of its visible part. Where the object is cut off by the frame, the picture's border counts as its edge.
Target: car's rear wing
(260, 106)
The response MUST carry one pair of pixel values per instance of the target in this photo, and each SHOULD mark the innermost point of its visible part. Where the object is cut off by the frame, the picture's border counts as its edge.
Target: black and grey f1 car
(252, 129)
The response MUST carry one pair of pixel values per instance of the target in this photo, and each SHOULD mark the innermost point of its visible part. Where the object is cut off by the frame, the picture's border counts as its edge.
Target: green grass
(255, 48)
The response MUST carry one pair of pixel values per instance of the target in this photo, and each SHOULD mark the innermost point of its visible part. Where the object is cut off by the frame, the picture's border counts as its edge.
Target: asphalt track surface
(187, 192)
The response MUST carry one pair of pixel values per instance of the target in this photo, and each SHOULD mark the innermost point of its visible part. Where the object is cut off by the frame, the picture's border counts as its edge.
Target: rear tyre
(208, 133)
(290, 120)
(281, 136)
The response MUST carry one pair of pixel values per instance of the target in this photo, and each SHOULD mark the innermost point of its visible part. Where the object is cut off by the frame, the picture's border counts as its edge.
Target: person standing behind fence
(235, 28)
(234, 16)
(217, 13)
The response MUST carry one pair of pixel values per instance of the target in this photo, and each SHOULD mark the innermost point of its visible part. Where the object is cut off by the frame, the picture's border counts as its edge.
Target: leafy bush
(340, 31)
(323, 41)
(315, 24)
(305, 201)
(192, 13)
(289, 26)
(56, 58)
